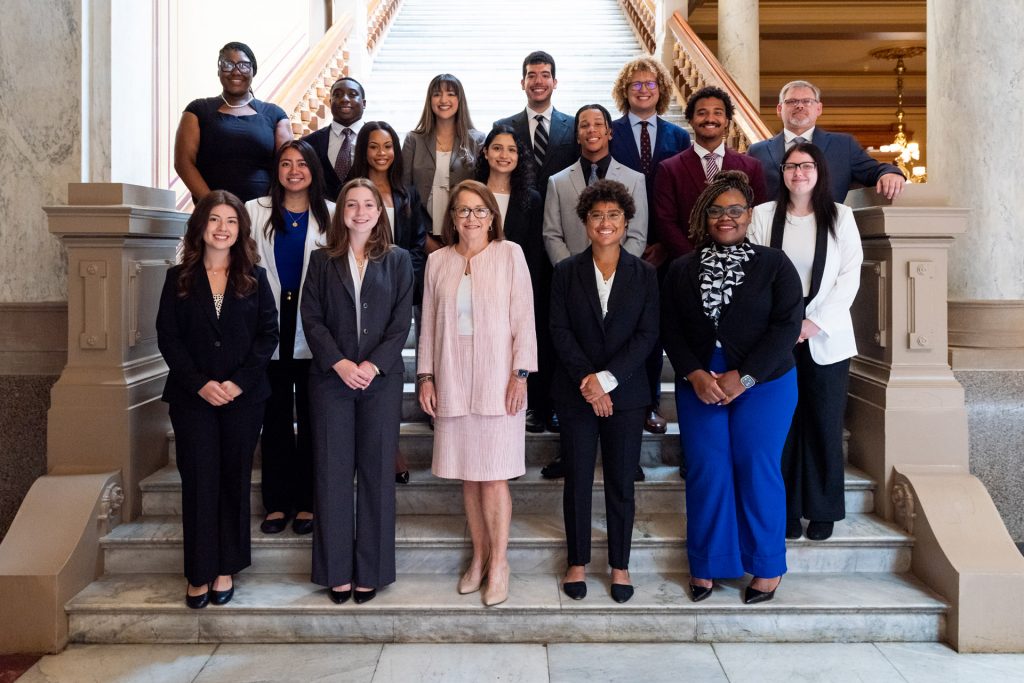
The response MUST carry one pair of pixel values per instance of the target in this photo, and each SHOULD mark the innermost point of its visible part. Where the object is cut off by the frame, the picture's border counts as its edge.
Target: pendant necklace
(294, 217)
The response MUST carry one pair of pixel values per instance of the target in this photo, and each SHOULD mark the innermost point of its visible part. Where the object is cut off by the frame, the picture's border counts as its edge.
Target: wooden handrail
(695, 67)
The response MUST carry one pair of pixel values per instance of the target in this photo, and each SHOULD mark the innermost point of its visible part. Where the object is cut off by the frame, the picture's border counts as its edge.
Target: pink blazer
(504, 338)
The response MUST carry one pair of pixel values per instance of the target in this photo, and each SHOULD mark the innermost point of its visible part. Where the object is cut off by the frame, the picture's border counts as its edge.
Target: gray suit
(565, 234)
(419, 161)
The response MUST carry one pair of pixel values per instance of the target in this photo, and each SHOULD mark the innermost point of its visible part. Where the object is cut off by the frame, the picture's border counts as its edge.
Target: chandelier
(907, 152)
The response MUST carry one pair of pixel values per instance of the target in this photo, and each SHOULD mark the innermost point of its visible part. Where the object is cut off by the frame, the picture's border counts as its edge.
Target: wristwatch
(522, 374)
(747, 381)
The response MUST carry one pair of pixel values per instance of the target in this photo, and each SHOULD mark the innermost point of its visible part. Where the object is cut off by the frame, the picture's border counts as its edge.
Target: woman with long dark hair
(821, 239)
(356, 312)
(290, 223)
(216, 328)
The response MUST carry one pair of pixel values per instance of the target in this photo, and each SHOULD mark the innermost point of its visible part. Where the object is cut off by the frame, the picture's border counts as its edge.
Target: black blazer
(198, 346)
(319, 140)
(410, 233)
(620, 342)
(758, 329)
(329, 311)
(524, 227)
(562, 152)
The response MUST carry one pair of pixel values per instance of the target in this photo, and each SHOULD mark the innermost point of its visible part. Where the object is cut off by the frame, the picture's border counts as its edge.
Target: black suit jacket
(410, 233)
(758, 329)
(620, 342)
(524, 227)
(318, 140)
(329, 311)
(198, 346)
(562, 152)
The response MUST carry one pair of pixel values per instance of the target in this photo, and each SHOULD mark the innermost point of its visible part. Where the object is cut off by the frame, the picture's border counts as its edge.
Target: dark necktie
(344, 161)
(710, 166)
(593, 175)
(645, 148)
(540, 140)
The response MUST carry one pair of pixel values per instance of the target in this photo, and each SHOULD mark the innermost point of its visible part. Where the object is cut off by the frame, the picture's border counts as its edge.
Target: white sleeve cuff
(607, 381)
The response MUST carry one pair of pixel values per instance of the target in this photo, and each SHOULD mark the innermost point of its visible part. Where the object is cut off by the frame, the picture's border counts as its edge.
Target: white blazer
(840, 280)
(259, 213)
(565, 234)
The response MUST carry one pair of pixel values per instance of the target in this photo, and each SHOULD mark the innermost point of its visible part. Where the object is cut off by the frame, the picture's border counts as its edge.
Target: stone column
(663, 38)
(739, 41)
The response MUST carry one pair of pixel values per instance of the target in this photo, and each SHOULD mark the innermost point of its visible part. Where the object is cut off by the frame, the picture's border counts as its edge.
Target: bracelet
(424, 378)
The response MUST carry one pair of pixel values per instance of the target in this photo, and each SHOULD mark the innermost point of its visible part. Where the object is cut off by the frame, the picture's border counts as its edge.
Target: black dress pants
(620, 437)
(812, 460)
(214, 447)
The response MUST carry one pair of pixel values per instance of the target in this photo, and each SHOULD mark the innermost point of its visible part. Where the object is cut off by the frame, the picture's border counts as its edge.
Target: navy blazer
(329, 312)
(563, 149)
(847, 162)
(319, 140)
(758, 329)
(198, 346)
(620, 342)
(410, 233)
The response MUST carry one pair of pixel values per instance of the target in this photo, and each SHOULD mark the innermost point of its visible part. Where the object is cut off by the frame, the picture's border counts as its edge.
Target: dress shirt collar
(718, 151)
(337, 128)
(807, 135)
(635, 120)
(602, 166)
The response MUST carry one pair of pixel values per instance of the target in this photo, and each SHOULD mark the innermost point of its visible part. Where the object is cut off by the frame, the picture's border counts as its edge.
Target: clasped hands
(355, 376)
(595, 395)
(515, 396)
(716, 389)
(220, 393)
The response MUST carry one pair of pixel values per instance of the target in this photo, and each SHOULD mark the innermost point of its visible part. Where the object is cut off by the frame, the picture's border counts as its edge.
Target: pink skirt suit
(474, 438)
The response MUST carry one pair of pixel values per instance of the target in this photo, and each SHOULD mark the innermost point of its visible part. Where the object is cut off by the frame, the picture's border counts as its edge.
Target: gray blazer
(419, 161)
(565, 234)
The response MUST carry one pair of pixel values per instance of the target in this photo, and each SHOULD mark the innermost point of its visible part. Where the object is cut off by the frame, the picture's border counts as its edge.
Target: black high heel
(752, 596)
(402, 477)
(365, 596)
(339, 597)
(698, 593)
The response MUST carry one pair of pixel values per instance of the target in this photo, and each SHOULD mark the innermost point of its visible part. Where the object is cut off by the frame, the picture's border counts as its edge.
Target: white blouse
(464, 305)
(439, 190)
(604, 290)
(357, 283)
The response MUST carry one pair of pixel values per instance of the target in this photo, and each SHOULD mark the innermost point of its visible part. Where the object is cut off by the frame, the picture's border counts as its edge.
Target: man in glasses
(799, 108)
(641, 140)
(335, 144)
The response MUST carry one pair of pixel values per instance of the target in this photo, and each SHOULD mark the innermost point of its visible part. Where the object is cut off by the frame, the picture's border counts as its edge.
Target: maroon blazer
(678, 183)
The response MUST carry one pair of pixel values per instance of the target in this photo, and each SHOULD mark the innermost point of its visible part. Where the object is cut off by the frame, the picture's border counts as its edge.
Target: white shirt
(652, 129)
(807, 135)
(530, 119)
(357, 283)
(502, 200)
(798, 240)
(390, 211)
(337, 139)
(439, 190)
(717, 151)
(604, 290)
(464, 305)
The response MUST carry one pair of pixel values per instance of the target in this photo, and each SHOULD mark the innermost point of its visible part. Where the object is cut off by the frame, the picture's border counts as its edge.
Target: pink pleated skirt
(479, 447)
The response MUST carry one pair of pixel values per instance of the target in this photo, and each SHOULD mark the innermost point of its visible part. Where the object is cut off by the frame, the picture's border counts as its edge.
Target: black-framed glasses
(615, 215)
(805, 101)
(637, 86)
(805, 166)
(480, 212)
(732, 211)
(227, 66)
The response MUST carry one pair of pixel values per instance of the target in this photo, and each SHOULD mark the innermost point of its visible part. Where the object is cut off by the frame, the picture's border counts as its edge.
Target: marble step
(662, 491)
(149, 608)
(440, 544)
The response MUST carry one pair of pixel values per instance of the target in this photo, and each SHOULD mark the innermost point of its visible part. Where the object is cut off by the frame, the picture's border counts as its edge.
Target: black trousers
(355, 434)
(214, 449)
(812, 460)
(620, 437)
(538, 385)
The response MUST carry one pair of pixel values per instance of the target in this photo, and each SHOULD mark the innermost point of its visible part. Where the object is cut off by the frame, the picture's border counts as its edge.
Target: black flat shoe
(621, 592)
(819, 531)
(639, 474)
(534, 423)
(752, 596)
(793, 529)
(698, 593)
(222, 597)
(274, 526)
(302, 526)
(577, 590)
(554, 469)
(402, 477)
(197, 601)
(553, 424)
(364, 596)
(339, 597)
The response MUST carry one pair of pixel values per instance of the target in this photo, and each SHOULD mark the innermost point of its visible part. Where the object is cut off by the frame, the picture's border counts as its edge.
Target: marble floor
(557, 663)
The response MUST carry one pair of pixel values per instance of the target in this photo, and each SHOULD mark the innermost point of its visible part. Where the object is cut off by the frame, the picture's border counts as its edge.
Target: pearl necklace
(237, 106)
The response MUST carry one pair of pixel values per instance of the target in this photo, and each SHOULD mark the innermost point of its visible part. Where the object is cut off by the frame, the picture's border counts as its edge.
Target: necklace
(294, 217)
(237, 106)
(361, 265)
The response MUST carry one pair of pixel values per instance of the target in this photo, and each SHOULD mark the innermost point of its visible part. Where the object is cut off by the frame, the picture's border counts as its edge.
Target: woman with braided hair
(731, 314)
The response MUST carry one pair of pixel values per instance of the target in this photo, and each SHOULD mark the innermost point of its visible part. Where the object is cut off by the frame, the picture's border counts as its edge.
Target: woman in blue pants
(731, 314)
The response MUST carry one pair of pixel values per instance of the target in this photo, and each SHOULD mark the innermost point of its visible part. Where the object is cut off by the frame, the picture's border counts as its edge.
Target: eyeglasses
(805, 101)
(480, 212)
(637, 86)
(227, 66)
(805, 166)
(732, 211)
(614, 216)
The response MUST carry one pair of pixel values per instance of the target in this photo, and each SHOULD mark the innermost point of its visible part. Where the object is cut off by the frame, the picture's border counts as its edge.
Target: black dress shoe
(197, 601)
(302, 526)
(402, 477)
(364, 596)
(682, 472)
(819, 531)
(577, 590)
(698, 593)
(534, 422)
(639, 474)
(794, 529)
(655, 423)
(222, 597)
(553, 424)
(274, 526)
(621, 592)
(554, 469)
(339, 597)
(752, 596)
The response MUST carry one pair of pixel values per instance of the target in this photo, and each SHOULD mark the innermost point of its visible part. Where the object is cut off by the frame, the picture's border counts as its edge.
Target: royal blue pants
(735, 496)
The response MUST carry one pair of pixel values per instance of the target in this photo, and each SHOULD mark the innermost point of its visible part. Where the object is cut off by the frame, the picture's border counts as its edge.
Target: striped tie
(540, 140)
(710, 166)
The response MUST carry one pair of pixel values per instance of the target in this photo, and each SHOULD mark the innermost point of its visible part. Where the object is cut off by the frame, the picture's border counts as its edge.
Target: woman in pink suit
(477, 348)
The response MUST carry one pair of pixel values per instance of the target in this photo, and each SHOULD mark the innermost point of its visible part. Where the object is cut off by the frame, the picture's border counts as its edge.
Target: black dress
(236, 153)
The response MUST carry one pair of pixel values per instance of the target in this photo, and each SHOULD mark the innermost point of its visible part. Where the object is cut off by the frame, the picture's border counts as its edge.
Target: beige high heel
(499, 594)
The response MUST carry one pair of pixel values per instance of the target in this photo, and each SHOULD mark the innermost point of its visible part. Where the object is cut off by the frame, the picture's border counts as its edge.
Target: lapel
(204, 297)
(343, 274)
(777, 148)
(822, 139)
(431, 148)
(585, 273)
(818, 265)
(695, 167)
(745, 290)
(399, 208)
(663, 146)
(622, 128)
(521, 125)
(579, 183)
(621, 288)
(560, 128)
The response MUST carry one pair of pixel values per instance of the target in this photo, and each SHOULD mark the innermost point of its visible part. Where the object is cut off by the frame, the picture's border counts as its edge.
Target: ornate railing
(379, 14)
(641, 15)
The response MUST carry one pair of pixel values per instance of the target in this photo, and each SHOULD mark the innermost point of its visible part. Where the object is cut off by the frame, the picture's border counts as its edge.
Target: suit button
(366, 331)
(365, 305)
(217, 344)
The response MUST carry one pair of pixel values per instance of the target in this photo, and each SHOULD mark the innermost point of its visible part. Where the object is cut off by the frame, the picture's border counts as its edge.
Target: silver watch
(747, 381)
